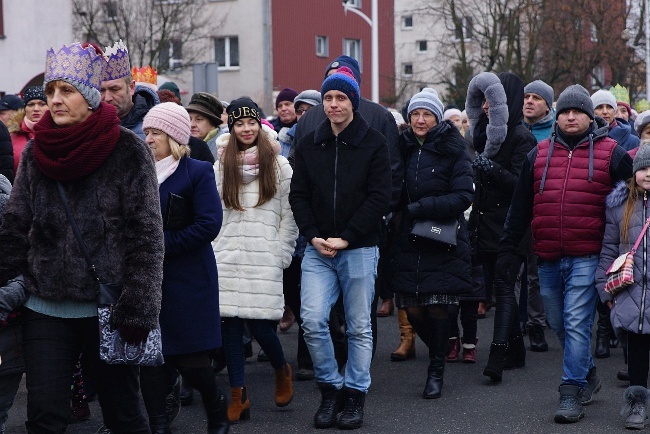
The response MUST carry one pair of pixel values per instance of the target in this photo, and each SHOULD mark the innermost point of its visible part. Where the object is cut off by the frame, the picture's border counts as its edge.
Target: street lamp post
(374, 28)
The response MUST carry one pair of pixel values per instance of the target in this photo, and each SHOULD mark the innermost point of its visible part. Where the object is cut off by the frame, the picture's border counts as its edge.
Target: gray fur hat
(642, 158)
(603, 96)
(538, 87)
(641, 121)
(487, 86)
(427, 99)
(574, 97)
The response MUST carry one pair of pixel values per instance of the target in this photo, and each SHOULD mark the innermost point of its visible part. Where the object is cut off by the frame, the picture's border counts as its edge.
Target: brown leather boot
(283, 386)
(406, 348)
(240, 406)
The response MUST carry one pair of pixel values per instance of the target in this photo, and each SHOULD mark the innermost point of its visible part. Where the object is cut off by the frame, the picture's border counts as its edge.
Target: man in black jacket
(340, 190)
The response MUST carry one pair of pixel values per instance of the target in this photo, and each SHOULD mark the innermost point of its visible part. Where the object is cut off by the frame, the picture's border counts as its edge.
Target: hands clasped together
(330, 246)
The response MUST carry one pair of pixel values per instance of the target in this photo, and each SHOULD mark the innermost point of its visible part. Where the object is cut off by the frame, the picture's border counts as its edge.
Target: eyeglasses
(302, 110)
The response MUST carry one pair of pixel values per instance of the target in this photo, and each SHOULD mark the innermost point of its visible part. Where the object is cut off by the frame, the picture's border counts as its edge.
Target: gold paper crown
(621, 93)
(117, 61)
(642, 105)
(146, 74)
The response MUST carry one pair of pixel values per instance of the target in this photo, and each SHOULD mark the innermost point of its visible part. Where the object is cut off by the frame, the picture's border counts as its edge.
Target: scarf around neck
(72, 152)
(166, 167)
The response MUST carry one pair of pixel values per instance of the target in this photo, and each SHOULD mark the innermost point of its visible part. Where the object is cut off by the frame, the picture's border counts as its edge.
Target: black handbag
(113, 349)
(444, 231)
(178, 212)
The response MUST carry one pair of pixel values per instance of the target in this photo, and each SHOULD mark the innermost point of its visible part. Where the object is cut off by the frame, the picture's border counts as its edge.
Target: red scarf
(71, 153)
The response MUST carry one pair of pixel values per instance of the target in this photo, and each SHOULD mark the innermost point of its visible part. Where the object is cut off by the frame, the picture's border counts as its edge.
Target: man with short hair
(339, 211)
(560, 197)
(119, 89)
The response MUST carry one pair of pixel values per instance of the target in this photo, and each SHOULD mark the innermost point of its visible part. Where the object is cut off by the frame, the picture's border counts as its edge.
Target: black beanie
(242, 108)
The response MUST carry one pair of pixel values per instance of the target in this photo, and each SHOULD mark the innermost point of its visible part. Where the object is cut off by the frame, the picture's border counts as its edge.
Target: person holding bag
(627, 215)
(109, 179)
(430, 275)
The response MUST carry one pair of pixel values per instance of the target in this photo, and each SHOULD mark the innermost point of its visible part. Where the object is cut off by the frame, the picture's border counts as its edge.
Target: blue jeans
(569, 292)
(233, 334)
(352, 273)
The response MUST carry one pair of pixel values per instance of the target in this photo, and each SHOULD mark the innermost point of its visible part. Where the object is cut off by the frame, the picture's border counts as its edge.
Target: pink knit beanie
(170, 118)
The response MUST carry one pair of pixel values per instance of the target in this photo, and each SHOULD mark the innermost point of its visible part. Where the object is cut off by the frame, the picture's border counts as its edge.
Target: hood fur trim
(487, 85)
(618, 196)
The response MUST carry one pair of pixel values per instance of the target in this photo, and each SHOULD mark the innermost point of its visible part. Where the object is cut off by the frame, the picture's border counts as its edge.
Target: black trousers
(52, 347)
(638, 358)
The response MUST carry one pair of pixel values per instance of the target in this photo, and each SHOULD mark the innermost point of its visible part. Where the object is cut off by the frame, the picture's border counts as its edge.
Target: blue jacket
(622, 133)
(189, 314)
(542, 129)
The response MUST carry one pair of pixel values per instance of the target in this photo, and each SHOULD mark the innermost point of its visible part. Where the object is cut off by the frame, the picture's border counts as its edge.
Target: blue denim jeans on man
(352, 273)
(569, 292)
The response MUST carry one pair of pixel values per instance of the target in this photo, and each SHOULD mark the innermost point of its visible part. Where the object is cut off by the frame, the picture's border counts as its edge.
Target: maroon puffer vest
(569, 214)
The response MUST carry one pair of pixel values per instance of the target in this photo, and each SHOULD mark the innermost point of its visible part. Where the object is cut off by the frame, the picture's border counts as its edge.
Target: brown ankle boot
(406, 348)
(283, 386)
(240, 406)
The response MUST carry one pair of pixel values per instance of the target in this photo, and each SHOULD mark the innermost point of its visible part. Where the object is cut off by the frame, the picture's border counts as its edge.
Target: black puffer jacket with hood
(494, 188)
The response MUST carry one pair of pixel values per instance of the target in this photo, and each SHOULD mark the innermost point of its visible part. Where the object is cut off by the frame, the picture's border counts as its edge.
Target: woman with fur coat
(255, 244)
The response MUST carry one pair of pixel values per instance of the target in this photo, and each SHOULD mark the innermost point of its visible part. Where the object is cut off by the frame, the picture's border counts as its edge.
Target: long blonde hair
(632, 198)
(232, 176)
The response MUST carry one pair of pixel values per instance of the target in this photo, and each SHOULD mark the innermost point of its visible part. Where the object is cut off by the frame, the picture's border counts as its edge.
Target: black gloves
(507, 267)
(483, 163)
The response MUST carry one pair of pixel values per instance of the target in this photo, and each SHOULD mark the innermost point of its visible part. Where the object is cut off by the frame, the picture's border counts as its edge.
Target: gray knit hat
(642, 158)
(309, 96)
(603, 97)
(641, 121)
(427, 99)
(538, 87)
(575, 97)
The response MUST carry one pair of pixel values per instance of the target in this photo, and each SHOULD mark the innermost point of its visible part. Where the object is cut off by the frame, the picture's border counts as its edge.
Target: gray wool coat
(117, 210)
(631, 309)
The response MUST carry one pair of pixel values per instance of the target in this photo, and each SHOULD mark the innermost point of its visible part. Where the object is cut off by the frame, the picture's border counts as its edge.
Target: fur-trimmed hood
(618, 196)
(487, 85)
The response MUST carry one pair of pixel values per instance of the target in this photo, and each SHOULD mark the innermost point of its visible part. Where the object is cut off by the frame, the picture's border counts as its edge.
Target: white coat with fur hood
(253, 247)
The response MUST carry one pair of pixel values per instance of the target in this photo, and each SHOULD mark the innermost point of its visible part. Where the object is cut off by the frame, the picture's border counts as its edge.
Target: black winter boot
(570, 409)
(437, 355)
(634, 410)
(538, 342)
(158, 424)
(217, 413)
(187, 394)
(496, 359)
(330, 406)
(602, 337)
(593, 386)
(352, 414)
(515, 354)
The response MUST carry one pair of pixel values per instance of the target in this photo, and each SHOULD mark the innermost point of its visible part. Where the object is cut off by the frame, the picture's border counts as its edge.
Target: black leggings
(468, 319)
(638, 357)
(422, 319)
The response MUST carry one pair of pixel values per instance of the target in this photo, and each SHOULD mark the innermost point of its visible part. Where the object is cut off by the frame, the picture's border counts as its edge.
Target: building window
(110, 11)
(171, 55)
(226, 52)
(597, 77)
(353, 3)
(422, 46)
(352, 48)
(594, 33)
(407, 22)
(407, 69)
(322, 46)
(465, 30)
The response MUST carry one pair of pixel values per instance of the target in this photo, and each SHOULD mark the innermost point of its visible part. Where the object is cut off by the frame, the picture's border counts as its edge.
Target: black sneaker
(570, 409)
(593, 386)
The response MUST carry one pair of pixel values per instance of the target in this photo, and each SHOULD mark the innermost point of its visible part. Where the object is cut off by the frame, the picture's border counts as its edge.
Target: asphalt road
(524, 402)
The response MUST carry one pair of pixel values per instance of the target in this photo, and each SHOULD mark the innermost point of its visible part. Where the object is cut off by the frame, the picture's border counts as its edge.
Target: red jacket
(569, 203)
(18, 140)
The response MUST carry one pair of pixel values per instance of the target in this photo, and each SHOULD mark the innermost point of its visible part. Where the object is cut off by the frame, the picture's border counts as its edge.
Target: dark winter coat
(622, 133)
(200, 151)
(6, 154)
(117, 210)
(494, 188)
(189, 315)
(143, 99)
(341, 185)
(438, 181)
(378, 118)
(631, 310)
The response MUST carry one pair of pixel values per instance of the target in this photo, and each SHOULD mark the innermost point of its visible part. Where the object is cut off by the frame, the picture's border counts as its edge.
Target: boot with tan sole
(406, 348)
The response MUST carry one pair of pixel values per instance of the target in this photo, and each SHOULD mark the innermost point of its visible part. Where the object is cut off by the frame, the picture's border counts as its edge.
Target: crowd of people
(222, 227)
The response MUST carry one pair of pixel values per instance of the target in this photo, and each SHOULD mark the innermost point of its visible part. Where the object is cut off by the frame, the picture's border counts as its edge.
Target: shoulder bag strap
(75, 230)
(643, 231)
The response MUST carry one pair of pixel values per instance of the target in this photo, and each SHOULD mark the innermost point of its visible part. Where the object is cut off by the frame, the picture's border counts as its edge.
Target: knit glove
(483, 163)
(507, 267)
(133, 335)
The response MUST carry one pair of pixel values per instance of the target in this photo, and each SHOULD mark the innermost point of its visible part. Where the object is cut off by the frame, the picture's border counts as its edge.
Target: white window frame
(353, 3)
(597, 76)
(348, 45)
(322, 46)
(418, 46)
(227, 66)
(404, 18)
(467, 29)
